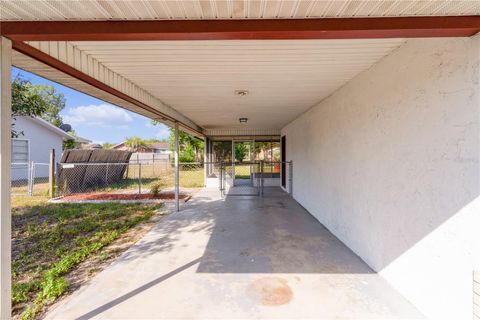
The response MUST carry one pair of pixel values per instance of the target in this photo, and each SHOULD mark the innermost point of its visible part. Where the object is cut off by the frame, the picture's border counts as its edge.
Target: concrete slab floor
(238, 258)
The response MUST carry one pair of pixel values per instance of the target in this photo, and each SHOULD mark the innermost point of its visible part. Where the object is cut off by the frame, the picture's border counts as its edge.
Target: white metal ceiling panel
(199, 78)
(227, 9)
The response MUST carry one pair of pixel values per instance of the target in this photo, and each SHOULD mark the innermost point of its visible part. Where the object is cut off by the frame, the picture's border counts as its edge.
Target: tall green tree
(71, 143)
(134, 143)
(191, 148)
(223, 150)
(55, 103)
(240, 151)
(36, 101)
(107, 145)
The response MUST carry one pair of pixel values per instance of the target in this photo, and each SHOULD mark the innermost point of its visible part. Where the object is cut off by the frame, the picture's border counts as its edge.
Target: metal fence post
(106, 175)
(153, 164)
(139, 178)
(220, 179)
(261, 176)
(31, 178)
(51, 174)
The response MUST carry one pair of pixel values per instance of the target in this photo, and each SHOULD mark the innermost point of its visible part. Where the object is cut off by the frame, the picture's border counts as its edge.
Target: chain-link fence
(29, 179)
(232, 179)
(20, 173)
(132, 177)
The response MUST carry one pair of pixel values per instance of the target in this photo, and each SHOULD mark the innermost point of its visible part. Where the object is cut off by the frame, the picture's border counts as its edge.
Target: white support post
(233, 163)
(205, 161)
(177, 174)
(5, 180)
(211, 158)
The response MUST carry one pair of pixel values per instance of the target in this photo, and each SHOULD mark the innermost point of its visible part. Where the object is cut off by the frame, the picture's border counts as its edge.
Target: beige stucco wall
(390, 164)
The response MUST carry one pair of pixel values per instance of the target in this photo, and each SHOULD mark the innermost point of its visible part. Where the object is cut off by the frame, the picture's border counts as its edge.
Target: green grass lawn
(51, 240)
(21, 199)
(189, 178)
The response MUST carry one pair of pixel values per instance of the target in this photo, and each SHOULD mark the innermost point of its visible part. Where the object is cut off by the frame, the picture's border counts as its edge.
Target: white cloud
(104, 116)
(163, 133)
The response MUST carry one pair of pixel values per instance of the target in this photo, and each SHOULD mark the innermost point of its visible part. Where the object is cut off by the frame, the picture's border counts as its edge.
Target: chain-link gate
(253, 178)
(241, 179)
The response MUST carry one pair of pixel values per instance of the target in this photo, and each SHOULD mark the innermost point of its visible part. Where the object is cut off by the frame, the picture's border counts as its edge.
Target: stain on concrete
(270, 291)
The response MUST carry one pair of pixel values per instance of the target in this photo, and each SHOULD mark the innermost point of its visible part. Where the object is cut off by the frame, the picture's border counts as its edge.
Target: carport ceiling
(309, 60)
(199, 78)
(227, 9)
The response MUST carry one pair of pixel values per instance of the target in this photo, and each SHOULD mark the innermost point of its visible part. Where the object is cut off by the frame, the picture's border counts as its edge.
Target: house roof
(82, 140)
(152, 145)
(159, 145)
(118, 145)
(56, 130)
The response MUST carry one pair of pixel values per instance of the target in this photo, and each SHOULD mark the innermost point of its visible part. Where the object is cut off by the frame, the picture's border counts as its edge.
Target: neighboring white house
(162, 147)
(36, 138)
(150, 153)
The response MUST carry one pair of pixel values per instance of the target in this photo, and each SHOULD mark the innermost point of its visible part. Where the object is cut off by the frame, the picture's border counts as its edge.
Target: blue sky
(98, 120)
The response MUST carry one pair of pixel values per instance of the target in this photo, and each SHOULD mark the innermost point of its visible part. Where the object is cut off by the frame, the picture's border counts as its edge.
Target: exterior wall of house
(42, 141)
(390, 164)
(145, 150)
(152, 157)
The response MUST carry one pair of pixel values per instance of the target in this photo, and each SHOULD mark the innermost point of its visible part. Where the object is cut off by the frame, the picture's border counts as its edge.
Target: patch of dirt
(122, 196)
(95, 264)
(270, 291)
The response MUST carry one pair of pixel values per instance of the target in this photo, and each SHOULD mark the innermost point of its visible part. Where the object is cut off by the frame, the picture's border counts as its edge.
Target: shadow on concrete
(251, 234)
(273, 234)
(247, 235)
(133, 293)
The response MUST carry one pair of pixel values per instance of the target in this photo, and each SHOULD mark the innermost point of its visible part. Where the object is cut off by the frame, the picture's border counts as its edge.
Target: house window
(20, 151)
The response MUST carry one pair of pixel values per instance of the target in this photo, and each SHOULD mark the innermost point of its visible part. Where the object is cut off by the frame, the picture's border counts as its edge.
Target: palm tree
(134, 143)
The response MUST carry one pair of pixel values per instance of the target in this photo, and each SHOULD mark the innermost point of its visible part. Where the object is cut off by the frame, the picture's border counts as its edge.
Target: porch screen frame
(283, 159)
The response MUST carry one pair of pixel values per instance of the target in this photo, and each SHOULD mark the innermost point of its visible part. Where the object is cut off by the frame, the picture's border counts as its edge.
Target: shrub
(155, 189)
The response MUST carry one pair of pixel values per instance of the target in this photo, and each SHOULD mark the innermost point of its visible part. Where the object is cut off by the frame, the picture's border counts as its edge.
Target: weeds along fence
(29, 179)
(131, 177)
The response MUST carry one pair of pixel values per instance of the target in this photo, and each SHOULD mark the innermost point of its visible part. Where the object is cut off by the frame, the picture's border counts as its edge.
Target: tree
(55, 103)
(134, 143)
(147, 141)
(71, 143)
(187, 154)
(35, 101)
(270, 150)
(223, 150)
(107, 145)
(190, 147)
(240, 151)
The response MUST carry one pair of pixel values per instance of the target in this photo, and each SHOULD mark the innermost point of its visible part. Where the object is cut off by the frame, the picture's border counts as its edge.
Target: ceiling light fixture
(241, 93)
(243, 120)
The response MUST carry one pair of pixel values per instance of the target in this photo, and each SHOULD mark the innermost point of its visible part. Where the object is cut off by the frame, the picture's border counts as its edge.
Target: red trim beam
(327, 28)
